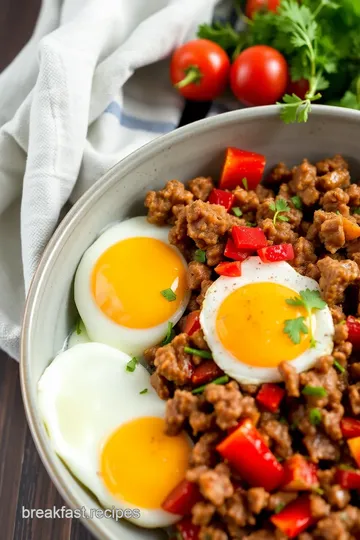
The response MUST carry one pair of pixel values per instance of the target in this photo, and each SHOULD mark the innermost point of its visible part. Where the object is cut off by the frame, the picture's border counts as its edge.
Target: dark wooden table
(24, 483)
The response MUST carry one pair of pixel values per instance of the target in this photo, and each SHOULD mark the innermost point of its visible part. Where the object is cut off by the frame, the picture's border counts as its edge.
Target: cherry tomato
(259, 76)
(200, 69)
(298, 87)
(260, 5)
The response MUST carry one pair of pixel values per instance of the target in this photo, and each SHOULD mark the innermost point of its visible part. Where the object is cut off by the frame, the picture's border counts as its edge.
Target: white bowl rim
(68, 225)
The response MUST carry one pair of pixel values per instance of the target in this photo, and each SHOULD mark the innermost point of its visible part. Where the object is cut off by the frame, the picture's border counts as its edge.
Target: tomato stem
(192, 75)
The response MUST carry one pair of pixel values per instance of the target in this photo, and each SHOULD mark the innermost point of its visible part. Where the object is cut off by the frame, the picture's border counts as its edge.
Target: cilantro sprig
(278, 207)
(311, 301)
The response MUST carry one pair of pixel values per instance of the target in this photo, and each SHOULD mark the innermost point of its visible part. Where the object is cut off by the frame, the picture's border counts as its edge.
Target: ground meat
(328, 381)
(280, 173)
(280, 498)
(149, 355)
(329, 228)
(278, 434)
(249, 409)
(354, 397)
(172, 362)
(331, 422)
(214, 484)
(281, 233)
(197, 273)
(331, 164)
(291, 379)
(336, 276)
(201, 187)
(341, 333)
(258, 499)
(247, 201)
(178, 409)
(353, 247)
(339, 178)
(264, 211)
(318, 507)
(206, 223)
(227, 403)
(320, 447)
(204, 287)
(342, 352)
(353, 192)
(337, 496)
(161, 385)
(303, 183)
(324, 363)
(161, 203)
(197, 340)
(337, 314)
(251, 389)
(336, 200)
(201, 421)
(326, 477)
(178, 233)
(304, 254)
(263, 193)
(214, 254)
(203, 452)
(212, 533)
(202, 513)
(355, 371)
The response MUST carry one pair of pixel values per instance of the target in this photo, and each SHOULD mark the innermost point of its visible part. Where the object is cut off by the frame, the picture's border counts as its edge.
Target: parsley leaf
(277, 207)
(200, 256)
(236, 210)
(168, 294)
(222, 34)
(297, 202)
(294, 328)
(169, 334)
(356, 210)
(310, 300)
(131, 365)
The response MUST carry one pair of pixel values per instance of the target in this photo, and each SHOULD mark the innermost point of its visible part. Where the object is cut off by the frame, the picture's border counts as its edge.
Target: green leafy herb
(339, 367)
(345, 467)
(315, 416)
(236, 210)
(131, 365)
(356, 210)
(310, 300)
(296, 202)
(278, 207)
(78, 326)
(279, 507)
(250, 224)
(220, 380)
(283, 420)
(245, 183)
(222, 34)
(318, 490)
(279, 459)
(315, 391)
(200, 256)
(145, 391)
(294, 328)
(168, 294)
(198, 352)
(169, 334)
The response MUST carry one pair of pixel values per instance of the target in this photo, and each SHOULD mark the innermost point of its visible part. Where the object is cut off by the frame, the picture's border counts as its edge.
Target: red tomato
(298, 87)
(260, 5)
(200, 69)
(259, 76)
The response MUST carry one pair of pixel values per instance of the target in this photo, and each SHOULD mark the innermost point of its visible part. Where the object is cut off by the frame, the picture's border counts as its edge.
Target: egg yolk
(128, 278)
(141, 465)
(250, 324)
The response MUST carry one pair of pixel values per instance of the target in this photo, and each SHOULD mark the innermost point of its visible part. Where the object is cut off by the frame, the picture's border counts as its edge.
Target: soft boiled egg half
(243, 321)
(118, 451)
(130, 284)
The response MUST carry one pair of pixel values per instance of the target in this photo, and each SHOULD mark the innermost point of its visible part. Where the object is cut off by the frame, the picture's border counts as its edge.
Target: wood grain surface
(24, 483)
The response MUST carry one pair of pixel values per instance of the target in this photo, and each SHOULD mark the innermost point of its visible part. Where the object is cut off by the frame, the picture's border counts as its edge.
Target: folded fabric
(89, 87)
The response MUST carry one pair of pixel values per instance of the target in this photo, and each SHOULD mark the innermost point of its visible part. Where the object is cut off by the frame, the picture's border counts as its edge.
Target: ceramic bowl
(197, 149)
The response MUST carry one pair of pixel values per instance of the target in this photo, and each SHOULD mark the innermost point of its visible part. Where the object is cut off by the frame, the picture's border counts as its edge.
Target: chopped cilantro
(294, 328)
(315, 416)
(131, 365)
(296, 202)
(310, 300)
(200, 256)
(168, 294)
(250, 224)
(278, 207)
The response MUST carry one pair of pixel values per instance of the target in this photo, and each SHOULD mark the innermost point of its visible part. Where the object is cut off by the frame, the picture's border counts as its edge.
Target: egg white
(253, 270)
(99, 327)
(84, 395)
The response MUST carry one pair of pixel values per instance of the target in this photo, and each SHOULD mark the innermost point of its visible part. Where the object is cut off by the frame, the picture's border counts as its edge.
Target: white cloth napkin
(90, 86)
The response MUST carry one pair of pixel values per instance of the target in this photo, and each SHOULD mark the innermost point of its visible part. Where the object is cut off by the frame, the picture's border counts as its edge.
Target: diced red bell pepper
(249, 238)
(270, 396)
(192, 323)
(229, 269)
(299, 474)
(219, 196)
(353, 326)
(280, 252)
(248, 454)
(187, 529)
(295, 517)
(205, 372)
(348, 479)
(182, 498)
(354, 445)
(350, 427)
(241, 164)
(232, 252)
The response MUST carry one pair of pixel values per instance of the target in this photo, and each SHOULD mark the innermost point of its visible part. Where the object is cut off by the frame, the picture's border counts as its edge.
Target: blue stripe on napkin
(132, 122)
